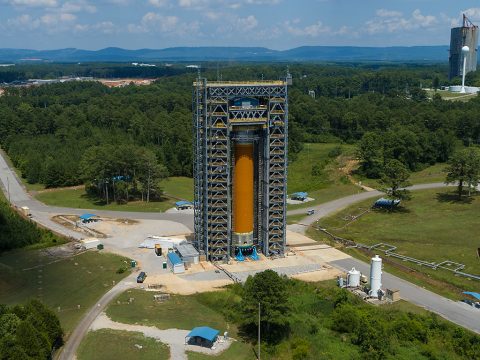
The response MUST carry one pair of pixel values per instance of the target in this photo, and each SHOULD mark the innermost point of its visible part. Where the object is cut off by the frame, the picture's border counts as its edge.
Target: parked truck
(158, 249)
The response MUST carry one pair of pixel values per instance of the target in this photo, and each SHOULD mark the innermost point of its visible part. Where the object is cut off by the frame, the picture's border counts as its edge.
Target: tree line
(121, 173)
(47, 130)
(16, 232)
(30, 331)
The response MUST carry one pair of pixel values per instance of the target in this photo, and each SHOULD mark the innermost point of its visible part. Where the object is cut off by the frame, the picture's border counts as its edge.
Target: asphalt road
(68, 351)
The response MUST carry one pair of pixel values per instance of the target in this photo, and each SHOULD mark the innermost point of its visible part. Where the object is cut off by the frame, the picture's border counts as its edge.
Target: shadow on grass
(394, 210)
(452, 197)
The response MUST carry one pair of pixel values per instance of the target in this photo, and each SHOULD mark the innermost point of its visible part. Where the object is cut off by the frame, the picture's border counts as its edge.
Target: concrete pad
(176, 284)
(326, 274)
(294, 238)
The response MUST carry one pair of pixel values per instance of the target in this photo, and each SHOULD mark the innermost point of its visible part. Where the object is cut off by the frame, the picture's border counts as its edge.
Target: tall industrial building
(240, 168)
(466, 35)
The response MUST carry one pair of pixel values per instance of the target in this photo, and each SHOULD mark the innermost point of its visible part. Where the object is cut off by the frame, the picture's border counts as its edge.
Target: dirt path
(174, 338)
(347, 170)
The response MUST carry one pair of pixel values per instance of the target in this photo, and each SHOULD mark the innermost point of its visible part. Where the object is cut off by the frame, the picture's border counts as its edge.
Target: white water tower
(375, 275)
(465, 51)
(353, 278)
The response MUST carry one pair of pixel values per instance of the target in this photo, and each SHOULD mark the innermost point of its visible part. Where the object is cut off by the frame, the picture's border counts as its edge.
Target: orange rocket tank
(243, 189)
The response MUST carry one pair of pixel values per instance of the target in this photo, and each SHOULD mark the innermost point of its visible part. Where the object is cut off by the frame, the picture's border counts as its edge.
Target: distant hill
(304, 53)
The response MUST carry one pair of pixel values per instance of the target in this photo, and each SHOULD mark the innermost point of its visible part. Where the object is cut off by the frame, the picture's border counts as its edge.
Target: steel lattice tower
(240, 167)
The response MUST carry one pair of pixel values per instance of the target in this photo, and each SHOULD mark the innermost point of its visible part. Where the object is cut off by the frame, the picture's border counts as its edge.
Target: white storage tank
(353, 278)
(375, 275)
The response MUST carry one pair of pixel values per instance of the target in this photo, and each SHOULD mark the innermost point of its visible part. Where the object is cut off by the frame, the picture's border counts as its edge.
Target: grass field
(109, 344)
(181, 312)
(237, 351)
(431, 174)
(447, 95)
(179, 187)
(330, 183)
(65, 284)
(77, 198)
(432, 226)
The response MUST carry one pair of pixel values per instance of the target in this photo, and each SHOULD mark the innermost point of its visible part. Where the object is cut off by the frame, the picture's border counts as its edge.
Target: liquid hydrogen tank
(353, 278)
(375, 275)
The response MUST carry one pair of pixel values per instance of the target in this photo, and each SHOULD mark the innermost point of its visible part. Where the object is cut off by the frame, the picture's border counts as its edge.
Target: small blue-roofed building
(300, 196)
(202, 336)
(183, 205)
(86, 218)
(175, 263)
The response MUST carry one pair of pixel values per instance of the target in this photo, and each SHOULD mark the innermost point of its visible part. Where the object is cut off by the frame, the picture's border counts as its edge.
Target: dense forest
(48, 130)
(16, 232)
(30, 331)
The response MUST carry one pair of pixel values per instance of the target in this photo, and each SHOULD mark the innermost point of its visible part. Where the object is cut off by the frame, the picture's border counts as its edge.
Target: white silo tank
(375, 275)
(353, 278)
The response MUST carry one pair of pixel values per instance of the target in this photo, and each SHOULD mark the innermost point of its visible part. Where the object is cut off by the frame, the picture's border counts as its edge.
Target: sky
(276, 24)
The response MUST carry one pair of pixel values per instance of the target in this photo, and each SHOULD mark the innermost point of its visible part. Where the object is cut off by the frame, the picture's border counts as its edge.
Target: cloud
(396, 22)
(105, 27)
(248, 23)
(158, 3)
(193, 4)
(155, 22)
(313, 30)
(388, 13)
(472, 13)
(32, 3)
(263, 2)
(76, 6)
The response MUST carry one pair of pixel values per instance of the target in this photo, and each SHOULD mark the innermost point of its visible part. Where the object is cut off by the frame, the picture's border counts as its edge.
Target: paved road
(70, 348)
(459, 313)
(331, 207)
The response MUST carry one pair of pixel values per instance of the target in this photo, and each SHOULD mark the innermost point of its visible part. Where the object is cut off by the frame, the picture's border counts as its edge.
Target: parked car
(141, 277)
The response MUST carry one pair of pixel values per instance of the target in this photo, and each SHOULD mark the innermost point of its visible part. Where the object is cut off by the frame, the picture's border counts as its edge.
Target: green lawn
(77, 198)
(109, 344)
(432, 227)
(431, 174)
(80, 280)
(236, 351)
(330, 183)
(181, 312)
(179, 187)
(447, 95)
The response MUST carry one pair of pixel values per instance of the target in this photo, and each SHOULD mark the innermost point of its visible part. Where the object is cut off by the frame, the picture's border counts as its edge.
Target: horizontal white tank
(375, 275)
(353, 278)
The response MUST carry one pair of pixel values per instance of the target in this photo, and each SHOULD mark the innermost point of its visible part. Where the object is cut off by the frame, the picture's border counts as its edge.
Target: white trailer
(91, 243)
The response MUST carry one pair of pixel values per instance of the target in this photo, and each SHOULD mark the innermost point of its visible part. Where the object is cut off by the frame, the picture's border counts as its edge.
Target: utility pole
(8, 189)
(259, 331)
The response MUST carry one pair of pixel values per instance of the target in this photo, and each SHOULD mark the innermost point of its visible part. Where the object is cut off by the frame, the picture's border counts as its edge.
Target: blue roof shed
(300, 194)
(473, 294)
(87, 216)
(174, 259)
(183, 203)
(204, 332)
